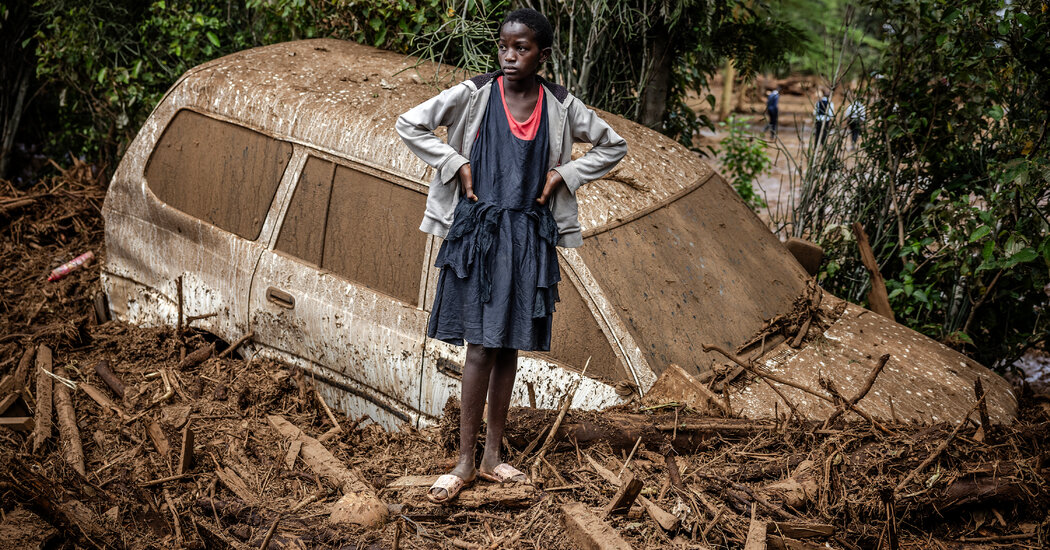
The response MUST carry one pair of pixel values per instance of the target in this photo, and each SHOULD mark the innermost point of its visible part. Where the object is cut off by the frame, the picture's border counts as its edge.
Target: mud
(989, 485)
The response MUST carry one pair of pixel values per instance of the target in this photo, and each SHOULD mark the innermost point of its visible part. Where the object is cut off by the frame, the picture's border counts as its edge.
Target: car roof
(343, 98)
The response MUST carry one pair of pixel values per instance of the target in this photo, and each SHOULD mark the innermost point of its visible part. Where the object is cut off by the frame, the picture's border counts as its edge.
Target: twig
(269, 534)
(557, 422)
(240, 341)
(164, 480)
(750, 492)
(846, 405)
(772, 377)
(860, 395)
(178, 287)
(630, 456)
(193, 318)
(174, 518)
(940, 448)
(327, 410)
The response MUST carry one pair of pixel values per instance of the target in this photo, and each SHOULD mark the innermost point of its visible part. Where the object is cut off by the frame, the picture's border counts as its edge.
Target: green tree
(953, 182)
(744, 157)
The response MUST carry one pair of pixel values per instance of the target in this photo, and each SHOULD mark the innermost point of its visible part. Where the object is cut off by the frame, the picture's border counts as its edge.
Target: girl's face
(519, 55)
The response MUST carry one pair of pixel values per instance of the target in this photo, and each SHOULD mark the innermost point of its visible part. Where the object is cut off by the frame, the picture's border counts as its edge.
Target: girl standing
(510, 136)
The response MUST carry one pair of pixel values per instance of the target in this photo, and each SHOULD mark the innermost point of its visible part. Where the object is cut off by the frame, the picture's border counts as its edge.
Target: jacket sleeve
(416, 128)
(606, 151)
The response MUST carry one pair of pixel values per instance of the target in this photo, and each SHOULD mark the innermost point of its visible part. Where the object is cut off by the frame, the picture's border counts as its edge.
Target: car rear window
(222, 173)
(358, 226)
(702, 269)
(575, 336)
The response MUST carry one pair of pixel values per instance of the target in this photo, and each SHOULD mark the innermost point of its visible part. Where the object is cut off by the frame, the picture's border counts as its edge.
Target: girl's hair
(535, 21)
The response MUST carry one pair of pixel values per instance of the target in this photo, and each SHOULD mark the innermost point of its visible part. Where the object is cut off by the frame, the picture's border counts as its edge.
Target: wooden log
(414, 488)
(359, 504)
(197, 357)
(234, 483)
(17, 423)
(587, 531)
(103, 400)
(110, 378)
(44, 403)
(667, 521)
(7, 401)
(756, 533)
(797, 490)
(72, 448)
(674, 475)
(622, 430)
(625, 496)
(16, 381)
(677, 385)
(61, 503)
(878, 298)
(293, 454)
(160, 441)
(186, 454)
(776, 542)
(800, 530)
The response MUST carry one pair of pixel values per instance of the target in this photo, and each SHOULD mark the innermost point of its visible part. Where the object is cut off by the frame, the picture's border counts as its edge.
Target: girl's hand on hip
(553, 180)
(466, 182)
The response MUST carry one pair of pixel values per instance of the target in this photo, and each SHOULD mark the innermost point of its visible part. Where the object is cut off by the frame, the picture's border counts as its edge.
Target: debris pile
(124, 437)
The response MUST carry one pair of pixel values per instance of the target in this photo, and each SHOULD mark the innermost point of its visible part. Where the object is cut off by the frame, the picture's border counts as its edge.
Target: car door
(338, 292)
(199, 215)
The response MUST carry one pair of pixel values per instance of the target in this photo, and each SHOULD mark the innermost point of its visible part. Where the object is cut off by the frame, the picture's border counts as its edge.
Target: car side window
(577, 336)
(222, 173)
(302, 233)
(358, 226)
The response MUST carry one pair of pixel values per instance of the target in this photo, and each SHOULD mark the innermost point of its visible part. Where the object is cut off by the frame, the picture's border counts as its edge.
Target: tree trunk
(728, 76)
(12, 123)
(654, 93)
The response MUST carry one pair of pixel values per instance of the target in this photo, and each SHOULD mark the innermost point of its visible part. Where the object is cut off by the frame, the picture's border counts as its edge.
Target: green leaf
(212, 38)
(989, 248)
(980, 233)
(996, 112)
(1025, 255)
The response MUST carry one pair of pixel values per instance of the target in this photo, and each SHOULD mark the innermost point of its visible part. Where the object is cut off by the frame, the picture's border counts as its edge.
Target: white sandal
(451, 484)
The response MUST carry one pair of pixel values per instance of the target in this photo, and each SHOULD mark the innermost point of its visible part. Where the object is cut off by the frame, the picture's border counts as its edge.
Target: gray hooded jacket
(461, 108)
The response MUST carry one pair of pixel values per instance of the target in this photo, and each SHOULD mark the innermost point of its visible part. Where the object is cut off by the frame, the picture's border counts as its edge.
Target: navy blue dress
(499, 265)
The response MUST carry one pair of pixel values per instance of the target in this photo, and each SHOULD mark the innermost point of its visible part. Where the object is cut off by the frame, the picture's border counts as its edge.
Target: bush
(106, 64)
(952, 181)
(744, 157)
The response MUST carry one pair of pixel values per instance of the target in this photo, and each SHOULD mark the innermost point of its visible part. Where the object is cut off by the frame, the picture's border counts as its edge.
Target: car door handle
(280, 298)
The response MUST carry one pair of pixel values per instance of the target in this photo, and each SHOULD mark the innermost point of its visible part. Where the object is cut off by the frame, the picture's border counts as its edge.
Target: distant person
(823, 112)
(856, 114)
(772, 111)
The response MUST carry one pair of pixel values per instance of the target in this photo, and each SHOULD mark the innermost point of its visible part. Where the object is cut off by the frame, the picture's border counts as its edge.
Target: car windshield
(702, 269)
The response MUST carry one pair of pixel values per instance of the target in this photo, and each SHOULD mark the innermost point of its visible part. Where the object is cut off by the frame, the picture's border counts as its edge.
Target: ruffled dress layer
(499, 264)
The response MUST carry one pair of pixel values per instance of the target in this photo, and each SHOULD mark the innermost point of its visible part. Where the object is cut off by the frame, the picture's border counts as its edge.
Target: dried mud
(982, 486)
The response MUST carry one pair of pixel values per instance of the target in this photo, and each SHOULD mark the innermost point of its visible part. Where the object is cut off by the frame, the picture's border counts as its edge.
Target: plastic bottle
(70, 266)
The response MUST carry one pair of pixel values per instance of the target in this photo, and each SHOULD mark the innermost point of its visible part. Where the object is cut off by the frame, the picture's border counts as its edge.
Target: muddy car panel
(309, 306)
(671, 259)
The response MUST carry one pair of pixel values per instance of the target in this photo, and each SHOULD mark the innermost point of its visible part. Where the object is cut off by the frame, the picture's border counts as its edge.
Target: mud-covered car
(273, 183)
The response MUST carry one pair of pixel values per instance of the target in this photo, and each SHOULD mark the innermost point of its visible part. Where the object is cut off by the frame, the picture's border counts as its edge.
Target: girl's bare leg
(501, 383)
(475, 385)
